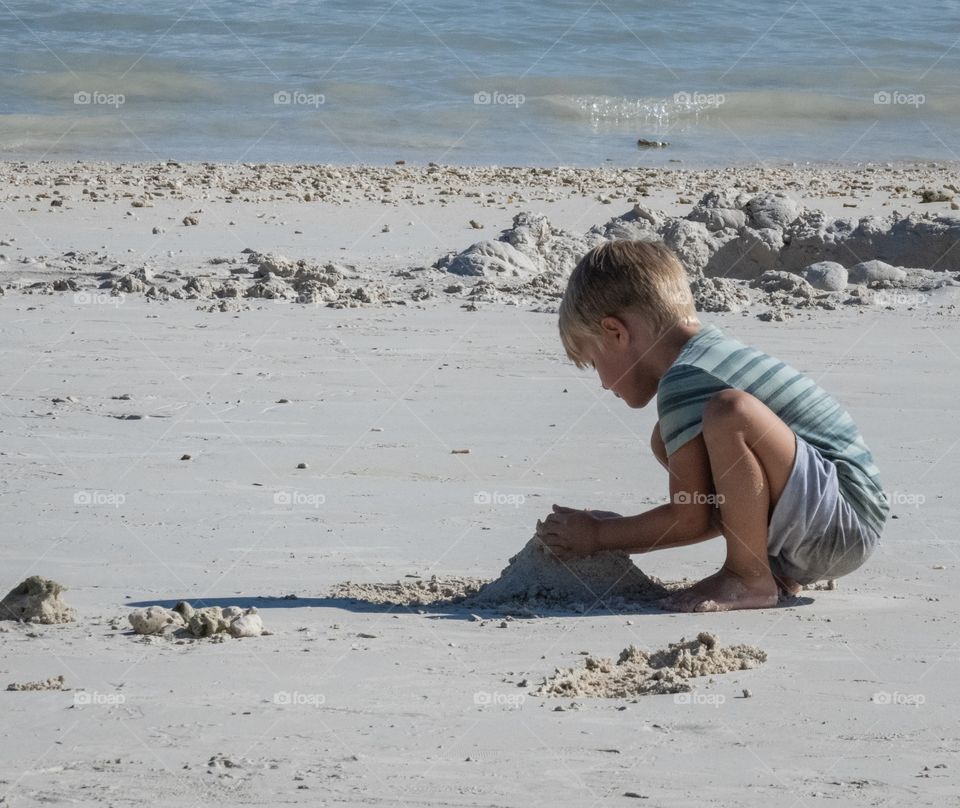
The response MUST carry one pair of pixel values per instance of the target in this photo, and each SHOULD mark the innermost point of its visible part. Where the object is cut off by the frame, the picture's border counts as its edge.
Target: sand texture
(300, 391)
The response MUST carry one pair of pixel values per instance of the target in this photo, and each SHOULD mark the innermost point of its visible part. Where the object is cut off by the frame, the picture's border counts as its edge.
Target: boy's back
(712, 361)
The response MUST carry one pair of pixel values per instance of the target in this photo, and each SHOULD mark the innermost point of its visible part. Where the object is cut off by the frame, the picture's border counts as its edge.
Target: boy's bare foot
(721, 592)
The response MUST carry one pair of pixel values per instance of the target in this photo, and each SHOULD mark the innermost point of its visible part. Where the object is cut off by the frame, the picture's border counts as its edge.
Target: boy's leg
(750, 451)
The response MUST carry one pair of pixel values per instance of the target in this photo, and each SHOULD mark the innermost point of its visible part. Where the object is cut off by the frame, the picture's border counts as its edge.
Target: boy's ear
(614, 328)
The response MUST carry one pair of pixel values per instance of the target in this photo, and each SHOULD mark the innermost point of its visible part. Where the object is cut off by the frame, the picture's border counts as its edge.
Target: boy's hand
(570, 533)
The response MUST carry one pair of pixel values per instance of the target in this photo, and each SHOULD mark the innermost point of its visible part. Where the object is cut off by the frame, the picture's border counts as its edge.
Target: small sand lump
(36, 600)
(246, 625)
(154, 620)
(637, 673)
(53, 683)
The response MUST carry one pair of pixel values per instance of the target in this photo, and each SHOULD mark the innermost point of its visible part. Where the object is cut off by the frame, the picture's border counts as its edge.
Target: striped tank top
(711, 361)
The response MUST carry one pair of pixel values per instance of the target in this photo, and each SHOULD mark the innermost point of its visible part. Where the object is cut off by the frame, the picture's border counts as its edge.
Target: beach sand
(158, 449)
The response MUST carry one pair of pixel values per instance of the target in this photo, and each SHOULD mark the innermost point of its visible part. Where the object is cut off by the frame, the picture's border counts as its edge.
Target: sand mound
(36, 600)
(727, 239)
(536, 579)
(533, 580)
(637, 673)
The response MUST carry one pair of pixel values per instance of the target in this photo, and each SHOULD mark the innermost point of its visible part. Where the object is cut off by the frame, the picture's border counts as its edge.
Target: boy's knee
(729, 408)
(657, 446)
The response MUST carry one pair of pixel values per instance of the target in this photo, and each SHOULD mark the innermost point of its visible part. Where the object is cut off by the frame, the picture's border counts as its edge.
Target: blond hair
(617, 276)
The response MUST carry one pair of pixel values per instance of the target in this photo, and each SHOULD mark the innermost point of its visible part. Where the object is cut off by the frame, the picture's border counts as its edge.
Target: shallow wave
(761, 107)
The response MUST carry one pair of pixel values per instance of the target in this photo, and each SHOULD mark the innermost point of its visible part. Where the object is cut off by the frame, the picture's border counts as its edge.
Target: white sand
(373, 705)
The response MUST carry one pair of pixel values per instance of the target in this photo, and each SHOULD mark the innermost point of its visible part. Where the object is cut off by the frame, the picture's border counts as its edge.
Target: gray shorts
(814, 532)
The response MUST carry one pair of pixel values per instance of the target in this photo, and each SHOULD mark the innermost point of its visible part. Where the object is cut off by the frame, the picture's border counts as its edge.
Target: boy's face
(626, 360)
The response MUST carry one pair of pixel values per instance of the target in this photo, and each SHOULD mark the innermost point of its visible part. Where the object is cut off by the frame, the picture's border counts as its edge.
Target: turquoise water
(510, 83)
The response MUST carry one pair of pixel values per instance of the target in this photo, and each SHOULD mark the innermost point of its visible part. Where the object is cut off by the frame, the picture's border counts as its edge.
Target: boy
(755, 450)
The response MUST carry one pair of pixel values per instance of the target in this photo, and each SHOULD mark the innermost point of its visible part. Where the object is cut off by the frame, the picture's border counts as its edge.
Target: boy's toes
(689, 601)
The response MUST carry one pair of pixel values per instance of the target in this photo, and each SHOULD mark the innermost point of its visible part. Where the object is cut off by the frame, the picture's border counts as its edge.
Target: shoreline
(538, 175)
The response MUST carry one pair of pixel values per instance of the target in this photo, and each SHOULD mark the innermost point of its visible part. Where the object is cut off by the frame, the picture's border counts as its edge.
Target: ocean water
(507, 83)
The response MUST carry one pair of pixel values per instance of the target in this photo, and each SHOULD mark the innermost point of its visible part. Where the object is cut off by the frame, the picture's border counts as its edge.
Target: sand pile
(211, 621)
(532, 246)
(637, 673)
(36, 600)
(734, 234)
(535, 579)
(732, 241)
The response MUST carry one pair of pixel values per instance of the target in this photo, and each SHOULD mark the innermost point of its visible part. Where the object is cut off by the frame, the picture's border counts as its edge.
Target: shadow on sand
(448, 610)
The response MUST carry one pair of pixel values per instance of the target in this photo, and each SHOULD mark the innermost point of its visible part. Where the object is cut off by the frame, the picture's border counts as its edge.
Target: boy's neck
(671, 344)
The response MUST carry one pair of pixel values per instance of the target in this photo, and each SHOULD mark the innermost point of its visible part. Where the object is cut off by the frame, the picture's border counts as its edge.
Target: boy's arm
(687, 518)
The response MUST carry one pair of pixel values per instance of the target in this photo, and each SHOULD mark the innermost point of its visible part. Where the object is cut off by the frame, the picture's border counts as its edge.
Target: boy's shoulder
(709, 338)
(700, 354)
